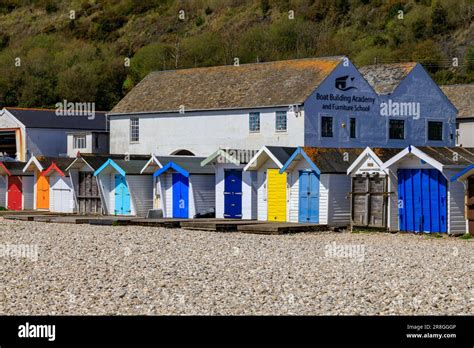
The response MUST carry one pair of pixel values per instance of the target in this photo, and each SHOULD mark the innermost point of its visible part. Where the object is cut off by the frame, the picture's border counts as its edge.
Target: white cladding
(61, 198)
(3, 191)
(141, 193)
(28, 192)
(334, 204)
(202, 193)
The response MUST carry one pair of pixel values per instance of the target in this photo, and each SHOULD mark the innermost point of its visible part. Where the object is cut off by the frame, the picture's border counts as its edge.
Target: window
(352, 126)
(96, 141)
(397, 129)
(79, 141)
(280, 121)
(435, 130)
(134, 130)
(326, 127)
(254, 122)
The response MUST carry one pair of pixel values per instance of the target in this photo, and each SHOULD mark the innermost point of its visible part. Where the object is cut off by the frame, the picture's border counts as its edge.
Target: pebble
(96, 270)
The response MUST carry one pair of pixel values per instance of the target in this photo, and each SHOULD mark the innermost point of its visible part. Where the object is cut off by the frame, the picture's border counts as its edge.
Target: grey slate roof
(282, 153)
(46, 118)
(223, 87)
(191, 164)
(462, 97)
(133, 166)
(61, 162)
(96, 160)
(384, 78)
(16, 168)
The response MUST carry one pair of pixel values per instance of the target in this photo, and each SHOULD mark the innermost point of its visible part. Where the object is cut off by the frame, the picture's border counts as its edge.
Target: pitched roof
(450, 156)
(235, 156)
(462, 97)
(191, 164)
(16, 168)
(47, 118)
(228, 87)
(96, 160)
(282, 153)
(384, 78)
(332, 160)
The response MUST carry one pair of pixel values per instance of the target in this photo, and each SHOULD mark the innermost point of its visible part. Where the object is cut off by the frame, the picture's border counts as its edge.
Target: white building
(319, 102)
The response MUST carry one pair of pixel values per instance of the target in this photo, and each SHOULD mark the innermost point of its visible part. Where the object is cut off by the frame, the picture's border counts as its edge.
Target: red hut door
(14, 193)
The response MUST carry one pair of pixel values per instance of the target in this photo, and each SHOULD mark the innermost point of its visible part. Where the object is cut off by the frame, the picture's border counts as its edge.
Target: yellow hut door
(276, 195)
(42, 192)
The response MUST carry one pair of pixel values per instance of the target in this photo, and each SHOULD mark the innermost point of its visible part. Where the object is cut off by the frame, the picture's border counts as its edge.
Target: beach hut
(16, 187)
(53, 189)
(466, 177)
(271, 185)
(319, 186)
(85, 184)
(372, 189)
(236, 193)
(182, 187)
(123, 190)
(427, 200)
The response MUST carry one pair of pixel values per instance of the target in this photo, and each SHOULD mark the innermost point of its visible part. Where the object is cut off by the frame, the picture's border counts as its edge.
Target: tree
(439, 18)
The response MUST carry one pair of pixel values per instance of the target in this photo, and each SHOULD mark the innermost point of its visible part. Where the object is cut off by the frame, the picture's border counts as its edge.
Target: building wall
(28, 192)
(456, 206)
(339, 204)
(466, 133)
(203, 132)
(141, 193)
(102, 148)
(202, 193)
(46, 142)
(371, 126)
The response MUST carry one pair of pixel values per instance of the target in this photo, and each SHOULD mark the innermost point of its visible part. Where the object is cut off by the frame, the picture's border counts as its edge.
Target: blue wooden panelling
(422, 197)
(122, 196)
(180, 196)
(308, 197)
(233, 194)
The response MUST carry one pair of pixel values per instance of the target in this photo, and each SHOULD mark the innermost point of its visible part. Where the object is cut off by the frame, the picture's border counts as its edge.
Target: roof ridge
(41, 109)
(335, 58)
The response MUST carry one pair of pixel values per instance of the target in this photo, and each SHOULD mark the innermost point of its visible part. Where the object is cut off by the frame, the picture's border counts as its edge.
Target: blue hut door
(308, 197)
(233, 194)
(422, 203)
(122, 196)
(180, 196)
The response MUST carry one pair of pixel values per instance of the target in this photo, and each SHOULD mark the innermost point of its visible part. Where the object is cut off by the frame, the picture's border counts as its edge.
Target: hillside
(48, 53)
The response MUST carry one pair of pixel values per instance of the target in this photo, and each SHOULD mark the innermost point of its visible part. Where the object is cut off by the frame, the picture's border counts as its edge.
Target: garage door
(422, 200)
(62, 196)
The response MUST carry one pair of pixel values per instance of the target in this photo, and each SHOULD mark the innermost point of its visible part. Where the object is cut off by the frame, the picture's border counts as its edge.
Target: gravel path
(82, 269)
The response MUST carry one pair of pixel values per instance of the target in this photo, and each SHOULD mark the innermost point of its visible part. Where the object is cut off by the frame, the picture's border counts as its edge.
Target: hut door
(276, 193)
(88, 196)
(233, 194)
(42, 192)
(308, 197)
(369, 202)
(180, 196)
(122, 196)
(14, 193)
(470, 205)
(422, 205)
